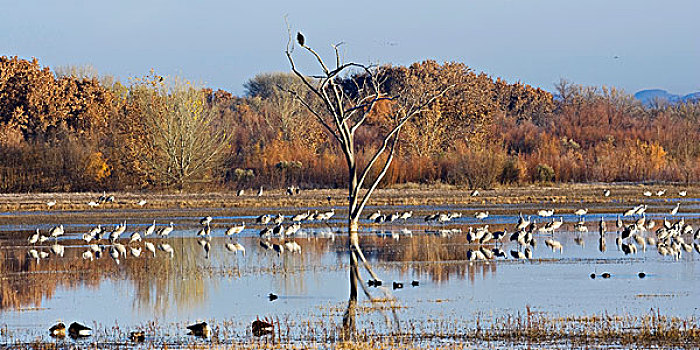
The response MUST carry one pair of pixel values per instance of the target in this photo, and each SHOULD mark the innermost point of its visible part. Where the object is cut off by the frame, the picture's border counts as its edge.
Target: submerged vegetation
(76, 131)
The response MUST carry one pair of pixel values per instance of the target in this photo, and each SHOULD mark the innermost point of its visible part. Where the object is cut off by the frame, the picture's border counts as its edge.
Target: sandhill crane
(56, 231)
(300, 217)
(135, 237)
(240, 193)
(34, 237)
(606, 192)
(50, 204)
(291, 230)
(141, 203)
(205, 231)
(150, 247)
(475, 193)
(522, 223)
(667, 224)
(200, 329)
(93, 204)
(327, 215)
(557, 224)
(619, 222)
(640, 222)
(234, 230)
(647, 194)
(263, 219)
(395, 216)
(545, 212)
(205, 220)
(406, 215)
(119, 229)
(581, 211)
(683, 193)
(641, 209)
(260, 191)
(481, 215)
(674, 211)
(165, 231)
(660, 192)
(150, 229)
(429, 217)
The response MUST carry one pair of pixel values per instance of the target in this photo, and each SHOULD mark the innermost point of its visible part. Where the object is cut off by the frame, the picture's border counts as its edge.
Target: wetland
(436, 290)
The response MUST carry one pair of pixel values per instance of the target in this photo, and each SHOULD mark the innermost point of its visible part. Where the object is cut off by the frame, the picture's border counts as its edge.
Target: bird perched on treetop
(300, 38)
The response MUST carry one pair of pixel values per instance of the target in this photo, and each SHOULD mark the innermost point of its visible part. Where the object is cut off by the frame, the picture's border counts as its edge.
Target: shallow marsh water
(162, 294)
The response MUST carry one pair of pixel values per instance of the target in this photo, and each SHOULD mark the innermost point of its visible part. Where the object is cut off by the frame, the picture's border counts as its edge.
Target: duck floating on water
(58, 330)
(77, 330)
(200, 329)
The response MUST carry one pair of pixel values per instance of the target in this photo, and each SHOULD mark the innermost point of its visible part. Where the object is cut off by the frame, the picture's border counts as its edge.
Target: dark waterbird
(77, 330)
(272, 296)
(605, 275)
(415, 283)
(200, 329)
(374, 283)
(137, 336)
(58, 330)
(642, 275)
(397, 285)
(263, 327)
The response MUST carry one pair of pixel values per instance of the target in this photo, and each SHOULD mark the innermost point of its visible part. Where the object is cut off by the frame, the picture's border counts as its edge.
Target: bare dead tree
(342, 113)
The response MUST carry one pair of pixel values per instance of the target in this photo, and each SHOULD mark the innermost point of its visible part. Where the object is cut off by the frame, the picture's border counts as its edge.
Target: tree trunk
(352, 243)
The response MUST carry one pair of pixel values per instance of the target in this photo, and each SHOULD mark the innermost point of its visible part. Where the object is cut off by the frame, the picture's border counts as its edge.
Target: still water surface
(230, 290)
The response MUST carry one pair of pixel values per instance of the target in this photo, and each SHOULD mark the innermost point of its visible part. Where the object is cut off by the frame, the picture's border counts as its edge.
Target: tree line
(72, 130)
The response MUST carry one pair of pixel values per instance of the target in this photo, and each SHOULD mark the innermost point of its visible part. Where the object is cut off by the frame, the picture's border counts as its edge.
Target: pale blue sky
(223, 43)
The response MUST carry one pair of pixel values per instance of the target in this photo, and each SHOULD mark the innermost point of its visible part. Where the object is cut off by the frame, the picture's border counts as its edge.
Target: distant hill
(648, 96)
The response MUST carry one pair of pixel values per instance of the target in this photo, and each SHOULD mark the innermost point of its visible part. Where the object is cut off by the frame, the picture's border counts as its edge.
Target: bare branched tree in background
(343, 98)
(177, 140)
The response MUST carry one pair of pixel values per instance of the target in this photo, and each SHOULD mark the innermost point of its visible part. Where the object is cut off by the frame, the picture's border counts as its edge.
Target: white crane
(165, 231)
(234, 230)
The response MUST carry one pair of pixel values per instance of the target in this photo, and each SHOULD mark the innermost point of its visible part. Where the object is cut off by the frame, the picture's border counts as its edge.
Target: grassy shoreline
(407, 194)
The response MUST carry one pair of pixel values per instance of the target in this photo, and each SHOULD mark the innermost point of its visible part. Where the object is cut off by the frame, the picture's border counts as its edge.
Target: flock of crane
(670, 239)
(278, 233)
